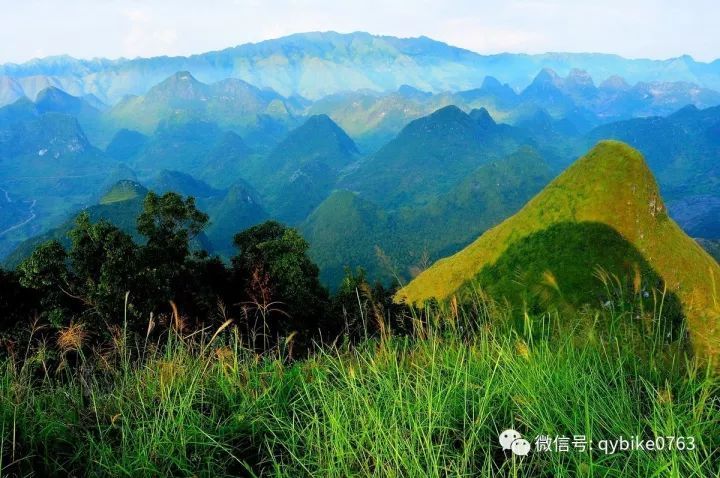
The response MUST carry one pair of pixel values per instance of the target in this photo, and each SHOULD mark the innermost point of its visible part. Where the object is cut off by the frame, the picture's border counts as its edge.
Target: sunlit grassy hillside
(611, 186)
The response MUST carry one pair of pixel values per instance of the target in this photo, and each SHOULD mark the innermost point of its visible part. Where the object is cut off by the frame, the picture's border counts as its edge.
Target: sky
(130, 28)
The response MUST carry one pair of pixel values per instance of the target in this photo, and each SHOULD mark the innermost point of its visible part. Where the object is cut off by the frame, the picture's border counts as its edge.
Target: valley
(422, 169)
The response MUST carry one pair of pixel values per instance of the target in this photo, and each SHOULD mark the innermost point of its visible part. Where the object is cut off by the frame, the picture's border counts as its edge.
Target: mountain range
(444, 178)
(389, 174)
(313, 65)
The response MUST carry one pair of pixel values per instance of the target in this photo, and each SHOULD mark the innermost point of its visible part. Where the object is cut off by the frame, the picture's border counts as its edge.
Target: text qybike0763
(635, 443)
(580, 443)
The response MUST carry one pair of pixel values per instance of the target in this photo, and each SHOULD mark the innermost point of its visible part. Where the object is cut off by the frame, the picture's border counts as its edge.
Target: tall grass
(428, 404)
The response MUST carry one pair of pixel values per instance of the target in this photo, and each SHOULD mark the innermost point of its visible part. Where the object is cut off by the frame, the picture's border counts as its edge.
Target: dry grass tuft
(72, 338)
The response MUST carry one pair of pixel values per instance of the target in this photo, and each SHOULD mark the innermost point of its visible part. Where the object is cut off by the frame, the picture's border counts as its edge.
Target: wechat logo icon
(512, 440)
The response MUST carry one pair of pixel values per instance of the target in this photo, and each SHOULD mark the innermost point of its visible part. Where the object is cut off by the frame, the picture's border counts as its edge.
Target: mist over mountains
(313, 65)
(386, 153)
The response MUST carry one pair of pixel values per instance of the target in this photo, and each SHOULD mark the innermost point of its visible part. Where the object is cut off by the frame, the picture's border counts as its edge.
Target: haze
(115, 28)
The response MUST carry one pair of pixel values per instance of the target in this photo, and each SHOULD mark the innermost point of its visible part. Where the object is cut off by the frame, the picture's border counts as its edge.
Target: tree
(271, 272)
(272, 266)
(104, 266)
(91, 279)
(170, 224)
(46, 272)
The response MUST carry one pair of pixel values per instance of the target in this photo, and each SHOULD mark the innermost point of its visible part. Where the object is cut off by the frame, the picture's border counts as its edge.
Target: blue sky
(130, 28)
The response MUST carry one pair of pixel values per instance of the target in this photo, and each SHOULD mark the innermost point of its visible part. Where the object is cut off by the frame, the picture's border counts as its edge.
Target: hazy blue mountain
(33, 85)
(682, 150)
(499, 96)
(208, 198)
(303, 169)
(374, 118)
(573, 104)
(48, 164)
(181, 183)
(225, 161)
(10, 91)
(126, 144)
(239, 209)
(313, 65)
(429, 156)
(697, 214)
(231, 103)
(577, 99)
(195, 147)
(55, 100)
(95, 102)
(198, 148)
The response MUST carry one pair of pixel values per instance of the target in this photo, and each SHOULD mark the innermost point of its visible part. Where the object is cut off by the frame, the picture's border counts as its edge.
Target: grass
(610, 185)
(430, 403)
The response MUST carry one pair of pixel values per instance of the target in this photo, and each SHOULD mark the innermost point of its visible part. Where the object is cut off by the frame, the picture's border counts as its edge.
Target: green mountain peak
(123, 190)
(608, 201)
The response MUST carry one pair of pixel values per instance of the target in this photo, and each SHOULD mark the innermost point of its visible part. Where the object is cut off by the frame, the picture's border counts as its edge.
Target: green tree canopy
(272, 265)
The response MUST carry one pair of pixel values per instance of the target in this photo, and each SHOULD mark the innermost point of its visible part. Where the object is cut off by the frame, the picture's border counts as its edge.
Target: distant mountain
(347, 230)
(576, 97)
(38, 146)
(33, 85)
(303, 169)
(195, 147)
(429, 156)
(604, 213)
(57, 101)
(682, 150)
(10, 91)
(207, 197)
(231, 103)
(574, 102)
(126, 144)
(88, 115)
(48, 164)
(697, 214)
(313, 65)
(239, 209)
(373, 118)
(227, 160)
(120, 205)
(181, 183)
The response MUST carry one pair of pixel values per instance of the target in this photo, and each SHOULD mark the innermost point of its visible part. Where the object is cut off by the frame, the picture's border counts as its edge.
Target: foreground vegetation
(430, 402)
(148, 357)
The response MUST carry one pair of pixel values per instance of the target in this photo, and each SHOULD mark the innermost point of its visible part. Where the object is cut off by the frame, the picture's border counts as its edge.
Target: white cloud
(475, 34)
(145, 36)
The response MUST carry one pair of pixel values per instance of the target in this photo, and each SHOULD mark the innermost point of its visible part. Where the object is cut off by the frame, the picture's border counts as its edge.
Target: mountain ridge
(625, 197)
(411, 60)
